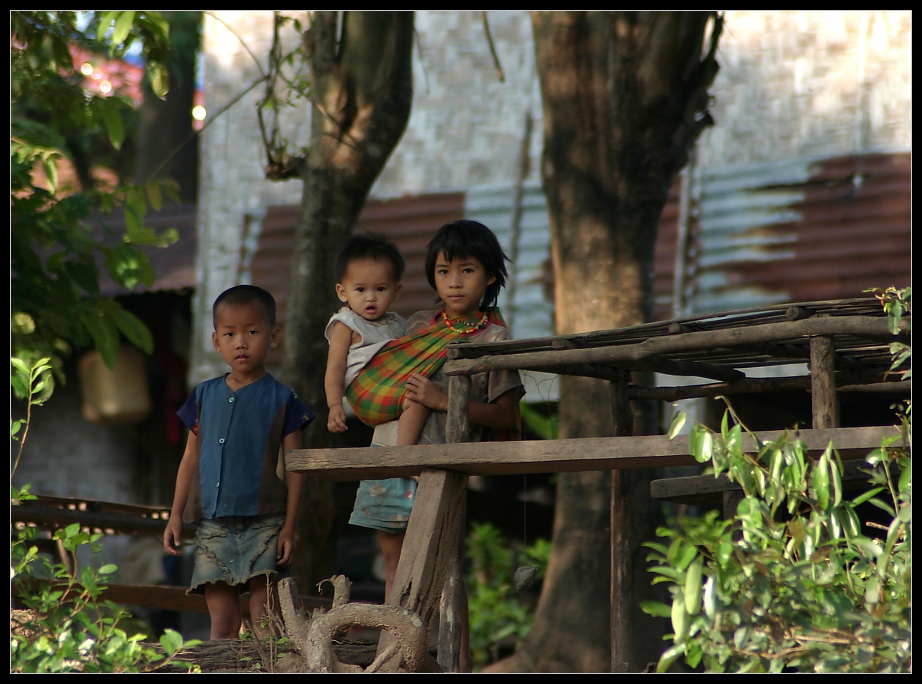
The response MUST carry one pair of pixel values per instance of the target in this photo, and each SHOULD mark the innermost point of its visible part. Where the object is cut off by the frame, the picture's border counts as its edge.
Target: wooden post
(423, 564)
(454, 594)
(823, 375)
(621, 592)
(429, 575)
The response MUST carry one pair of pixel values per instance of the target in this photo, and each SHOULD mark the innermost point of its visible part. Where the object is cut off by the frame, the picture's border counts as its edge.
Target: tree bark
(362, 94)
(625, 98)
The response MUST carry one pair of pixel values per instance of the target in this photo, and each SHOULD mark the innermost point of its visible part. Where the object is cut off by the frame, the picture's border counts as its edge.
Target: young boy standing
(227, 481)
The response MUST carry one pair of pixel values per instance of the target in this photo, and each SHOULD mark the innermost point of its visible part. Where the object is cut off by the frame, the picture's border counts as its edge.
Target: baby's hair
(466, 238)
(368, 246)
(245, 294)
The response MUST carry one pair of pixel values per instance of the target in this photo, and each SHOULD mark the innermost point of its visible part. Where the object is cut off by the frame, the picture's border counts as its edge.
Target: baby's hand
(336, 420)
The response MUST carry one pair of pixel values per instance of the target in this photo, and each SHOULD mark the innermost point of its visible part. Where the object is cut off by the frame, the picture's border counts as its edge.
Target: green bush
(499, 616)
(64, 625)
(796, 581)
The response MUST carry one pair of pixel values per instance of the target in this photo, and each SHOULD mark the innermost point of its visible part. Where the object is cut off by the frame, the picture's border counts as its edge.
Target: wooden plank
(621, 595)
(823, 387)
(432, 539)
(52, 517)
(174, 598)
(549, 456)
(871, 329)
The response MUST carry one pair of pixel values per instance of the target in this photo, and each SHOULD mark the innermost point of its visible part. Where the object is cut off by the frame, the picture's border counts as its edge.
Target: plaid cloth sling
(377, 393)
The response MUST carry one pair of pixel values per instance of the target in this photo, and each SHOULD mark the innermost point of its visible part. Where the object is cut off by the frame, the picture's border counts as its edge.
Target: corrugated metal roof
(798, 230)
(803, 230)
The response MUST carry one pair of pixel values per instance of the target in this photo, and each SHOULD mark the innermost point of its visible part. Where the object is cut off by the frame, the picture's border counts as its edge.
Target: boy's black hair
(245, 294)
(466, 238)
(368, 246)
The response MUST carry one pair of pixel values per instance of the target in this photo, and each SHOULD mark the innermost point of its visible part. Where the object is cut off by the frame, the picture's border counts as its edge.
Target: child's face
(243, 336)
(461, 284)
(369, 288)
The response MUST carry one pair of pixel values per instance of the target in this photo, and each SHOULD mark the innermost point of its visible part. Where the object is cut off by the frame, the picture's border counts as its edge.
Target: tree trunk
(624, 97)
(362, 90)
(167, 146)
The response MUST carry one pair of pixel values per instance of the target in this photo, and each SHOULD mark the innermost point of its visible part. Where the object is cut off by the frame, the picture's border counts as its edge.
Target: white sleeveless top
(374, 334)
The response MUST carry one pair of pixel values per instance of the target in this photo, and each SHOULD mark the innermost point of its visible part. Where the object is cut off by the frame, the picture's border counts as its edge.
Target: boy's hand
(285, 549)
(336, 420)
(172, 537)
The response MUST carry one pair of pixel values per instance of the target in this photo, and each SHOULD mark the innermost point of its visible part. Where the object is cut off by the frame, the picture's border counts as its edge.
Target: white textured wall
(792, 84)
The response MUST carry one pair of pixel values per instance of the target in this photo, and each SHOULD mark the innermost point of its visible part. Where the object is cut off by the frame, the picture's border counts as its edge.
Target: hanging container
(115, 396)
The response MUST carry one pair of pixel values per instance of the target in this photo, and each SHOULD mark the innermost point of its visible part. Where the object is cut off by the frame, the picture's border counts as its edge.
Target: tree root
(312, 638)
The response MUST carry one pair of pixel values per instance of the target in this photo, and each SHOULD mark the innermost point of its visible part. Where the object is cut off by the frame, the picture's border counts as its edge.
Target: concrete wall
(792, 84)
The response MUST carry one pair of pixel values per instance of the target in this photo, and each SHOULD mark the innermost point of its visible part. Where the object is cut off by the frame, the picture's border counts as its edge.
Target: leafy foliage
(796, 581)
(65, 626)
(61, 235)
(498, 615)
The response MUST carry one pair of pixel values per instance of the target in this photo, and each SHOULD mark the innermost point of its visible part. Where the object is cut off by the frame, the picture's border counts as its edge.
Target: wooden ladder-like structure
(844, 344)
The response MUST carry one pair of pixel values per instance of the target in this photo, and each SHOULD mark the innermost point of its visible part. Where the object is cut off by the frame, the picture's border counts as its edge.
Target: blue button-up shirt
(240, 434)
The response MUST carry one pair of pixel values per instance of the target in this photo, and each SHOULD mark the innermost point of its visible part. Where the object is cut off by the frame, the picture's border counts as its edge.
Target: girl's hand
(422, 390)
(336, 420)
(285, 547)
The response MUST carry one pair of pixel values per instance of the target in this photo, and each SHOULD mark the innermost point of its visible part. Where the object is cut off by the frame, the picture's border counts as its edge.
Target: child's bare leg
(411, 422)
(391, 545)
(259, 606)
(223, 603)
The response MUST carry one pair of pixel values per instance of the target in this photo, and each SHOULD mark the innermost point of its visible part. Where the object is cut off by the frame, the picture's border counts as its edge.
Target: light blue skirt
(384, 504)
(234, 550)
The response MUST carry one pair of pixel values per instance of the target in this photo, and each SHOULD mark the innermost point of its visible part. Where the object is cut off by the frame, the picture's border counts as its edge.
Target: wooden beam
(548, 456)
(823, 387)
(171, 597)
(549, 360)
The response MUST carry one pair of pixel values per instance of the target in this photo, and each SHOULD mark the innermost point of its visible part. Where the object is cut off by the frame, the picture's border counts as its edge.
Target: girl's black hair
(466, 238)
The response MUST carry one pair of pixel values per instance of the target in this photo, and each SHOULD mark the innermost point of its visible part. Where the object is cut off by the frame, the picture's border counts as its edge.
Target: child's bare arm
(340, 341)
(285, 550)
(172, 535)
(498, 414)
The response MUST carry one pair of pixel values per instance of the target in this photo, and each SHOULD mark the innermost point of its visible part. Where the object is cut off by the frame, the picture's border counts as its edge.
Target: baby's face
(369, 288)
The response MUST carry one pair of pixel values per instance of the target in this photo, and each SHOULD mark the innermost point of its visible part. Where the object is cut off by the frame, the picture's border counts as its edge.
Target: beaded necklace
(465, 328)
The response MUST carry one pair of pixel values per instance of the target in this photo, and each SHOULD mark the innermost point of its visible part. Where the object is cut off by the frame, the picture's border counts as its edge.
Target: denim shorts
(384, 504)
(235, 549)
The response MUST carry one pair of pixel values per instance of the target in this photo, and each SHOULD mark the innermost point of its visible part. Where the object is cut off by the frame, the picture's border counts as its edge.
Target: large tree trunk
(625, 97)
(362, 93)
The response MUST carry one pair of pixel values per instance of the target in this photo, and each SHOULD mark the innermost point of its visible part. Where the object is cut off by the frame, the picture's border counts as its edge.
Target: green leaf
(104, 334)
(115, 127)
(123, 25)
(710, 598)
(656, 609)
(678, 422)
(670, 655)
(693, 587)
(865, 496)
(820, 481)
(679, 616)
(701, 444)
(159, 79)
